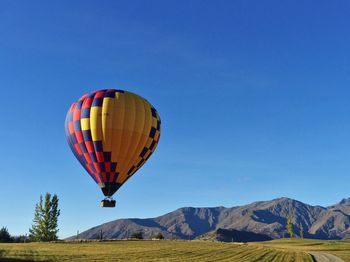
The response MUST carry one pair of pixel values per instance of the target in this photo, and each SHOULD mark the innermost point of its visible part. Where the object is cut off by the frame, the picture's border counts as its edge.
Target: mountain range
(264, 218)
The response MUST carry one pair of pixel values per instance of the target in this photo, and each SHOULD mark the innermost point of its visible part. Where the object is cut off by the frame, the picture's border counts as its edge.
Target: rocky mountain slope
(263, 217)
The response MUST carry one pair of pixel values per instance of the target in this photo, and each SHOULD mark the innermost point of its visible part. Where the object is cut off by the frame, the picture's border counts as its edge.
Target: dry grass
(146, 251)
(339, 248)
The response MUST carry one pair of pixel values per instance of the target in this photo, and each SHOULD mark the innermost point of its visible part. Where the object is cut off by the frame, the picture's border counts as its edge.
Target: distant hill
(232, 235)
(267, 218)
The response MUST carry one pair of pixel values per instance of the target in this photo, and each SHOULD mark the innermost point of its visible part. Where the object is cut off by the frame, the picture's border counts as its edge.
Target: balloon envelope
(112, 133)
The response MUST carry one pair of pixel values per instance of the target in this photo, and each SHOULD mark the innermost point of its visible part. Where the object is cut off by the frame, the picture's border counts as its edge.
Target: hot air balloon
(112, 133)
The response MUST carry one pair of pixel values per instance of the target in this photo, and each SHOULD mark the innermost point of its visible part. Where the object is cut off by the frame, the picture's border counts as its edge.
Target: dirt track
(324, 257)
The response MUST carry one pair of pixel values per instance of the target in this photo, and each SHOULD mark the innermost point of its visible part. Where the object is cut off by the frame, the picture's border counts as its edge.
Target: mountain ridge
(260, 217)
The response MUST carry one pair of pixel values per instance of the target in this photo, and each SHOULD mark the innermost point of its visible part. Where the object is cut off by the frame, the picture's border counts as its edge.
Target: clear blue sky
(253, 96)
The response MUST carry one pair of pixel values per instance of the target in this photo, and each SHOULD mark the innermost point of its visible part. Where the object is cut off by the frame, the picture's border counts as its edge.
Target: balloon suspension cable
(109, 198)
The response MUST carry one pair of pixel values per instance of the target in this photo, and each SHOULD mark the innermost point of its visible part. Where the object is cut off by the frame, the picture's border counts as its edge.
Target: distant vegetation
(289, 226)
(159, 236)
(301, 234)
(5, 236)
(137, 235)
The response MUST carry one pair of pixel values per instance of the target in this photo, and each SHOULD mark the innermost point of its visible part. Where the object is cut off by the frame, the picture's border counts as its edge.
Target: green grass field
(146, 251)
(277, 250)
(338, 248)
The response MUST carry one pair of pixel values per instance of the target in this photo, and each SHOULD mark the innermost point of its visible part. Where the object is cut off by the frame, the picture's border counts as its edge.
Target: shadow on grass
(2, 259)
(7, 259)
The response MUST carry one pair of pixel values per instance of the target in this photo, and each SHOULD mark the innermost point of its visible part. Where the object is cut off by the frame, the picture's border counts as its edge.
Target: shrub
(159, 236)
(137, 235)
(5, 236)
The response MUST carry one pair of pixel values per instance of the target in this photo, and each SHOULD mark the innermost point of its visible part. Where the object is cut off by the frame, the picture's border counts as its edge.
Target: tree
(5, 236)
(55, 212)
(20, 239)
(301, 231)
(101, 235)
(159, 236)
(45, 222)
(36, 232)
(137, 235)
(290, 226)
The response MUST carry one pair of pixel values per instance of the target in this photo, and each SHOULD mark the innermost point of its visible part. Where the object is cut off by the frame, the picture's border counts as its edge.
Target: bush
(5, 236)
(137, 235)
(20, 239)
(159, 236)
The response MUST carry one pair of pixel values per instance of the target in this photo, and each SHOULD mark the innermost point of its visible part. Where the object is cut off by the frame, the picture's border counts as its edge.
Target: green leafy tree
(54, 214)
(36, 232)
(290, 226)
(45, 222)
(137, 235)
(301, 231)
(5, 236)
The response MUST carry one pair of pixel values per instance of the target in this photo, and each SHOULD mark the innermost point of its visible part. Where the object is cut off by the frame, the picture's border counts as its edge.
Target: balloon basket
(107, 203)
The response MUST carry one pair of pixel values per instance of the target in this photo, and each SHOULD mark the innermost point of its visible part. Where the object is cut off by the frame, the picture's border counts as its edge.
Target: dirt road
(324, 257)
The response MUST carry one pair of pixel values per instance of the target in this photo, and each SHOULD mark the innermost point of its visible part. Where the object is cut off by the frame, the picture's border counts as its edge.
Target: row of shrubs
(5, 237)
(138, 235)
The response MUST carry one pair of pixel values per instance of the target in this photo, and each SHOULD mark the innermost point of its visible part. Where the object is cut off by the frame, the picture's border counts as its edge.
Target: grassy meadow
(172, 250)
(166, 250)
(339, 248)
